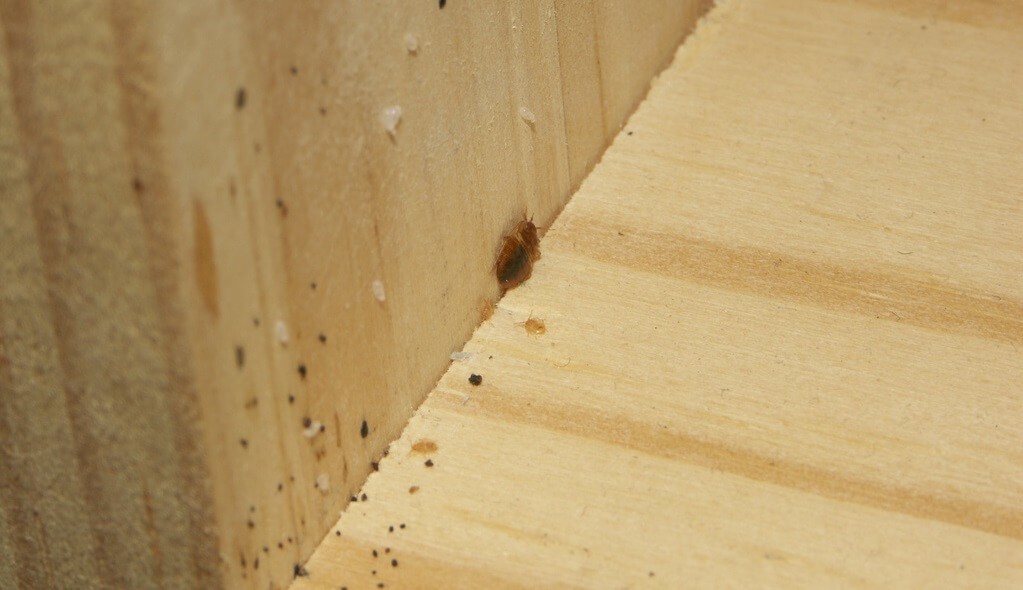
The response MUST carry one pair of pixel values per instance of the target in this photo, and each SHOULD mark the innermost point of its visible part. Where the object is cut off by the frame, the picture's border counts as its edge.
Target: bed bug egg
(411, 43)
(378, 290)
(527, 115)
(389, 118)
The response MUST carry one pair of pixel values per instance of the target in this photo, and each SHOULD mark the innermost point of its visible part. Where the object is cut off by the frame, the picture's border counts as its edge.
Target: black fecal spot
(364, 431)
(240, 98)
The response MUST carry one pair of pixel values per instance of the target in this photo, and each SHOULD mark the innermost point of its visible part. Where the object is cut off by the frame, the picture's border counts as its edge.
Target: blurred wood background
(225, 285)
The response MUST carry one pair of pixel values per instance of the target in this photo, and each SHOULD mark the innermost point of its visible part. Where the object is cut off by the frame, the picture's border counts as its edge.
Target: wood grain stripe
(885, 296)
(621, 430)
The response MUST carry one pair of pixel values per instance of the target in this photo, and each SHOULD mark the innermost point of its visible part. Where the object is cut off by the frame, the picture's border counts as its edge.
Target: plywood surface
(225, 285)
(783, 335)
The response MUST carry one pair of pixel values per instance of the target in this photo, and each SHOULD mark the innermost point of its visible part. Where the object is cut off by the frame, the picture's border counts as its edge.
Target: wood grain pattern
(198, 199)
(784, 334)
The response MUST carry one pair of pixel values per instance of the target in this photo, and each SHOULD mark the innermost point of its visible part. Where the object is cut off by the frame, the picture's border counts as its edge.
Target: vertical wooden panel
(199, 198)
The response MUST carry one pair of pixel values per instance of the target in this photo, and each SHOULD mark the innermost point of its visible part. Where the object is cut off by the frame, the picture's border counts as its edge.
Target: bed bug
(520, 248)
(534, 326)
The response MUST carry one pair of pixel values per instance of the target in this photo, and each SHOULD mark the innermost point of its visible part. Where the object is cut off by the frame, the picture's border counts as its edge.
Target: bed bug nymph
(519, 250)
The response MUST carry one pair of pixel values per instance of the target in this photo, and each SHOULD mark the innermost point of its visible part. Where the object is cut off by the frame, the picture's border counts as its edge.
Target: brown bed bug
(520, 248)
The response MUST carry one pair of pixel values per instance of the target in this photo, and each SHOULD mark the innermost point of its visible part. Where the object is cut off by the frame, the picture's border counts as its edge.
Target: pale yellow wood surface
(178, 177)
(784, 335)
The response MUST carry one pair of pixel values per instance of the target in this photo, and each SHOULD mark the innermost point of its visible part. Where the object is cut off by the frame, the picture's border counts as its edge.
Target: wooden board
(198, 199)
(783, 334)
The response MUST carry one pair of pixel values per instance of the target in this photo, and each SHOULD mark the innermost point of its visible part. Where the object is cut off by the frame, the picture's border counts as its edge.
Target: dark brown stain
(424, 447)
(205, 265)
(625, 432)
(889, 297)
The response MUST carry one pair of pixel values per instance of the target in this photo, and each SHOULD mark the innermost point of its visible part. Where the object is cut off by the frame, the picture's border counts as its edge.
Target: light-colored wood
(180, 178)
(784, 335)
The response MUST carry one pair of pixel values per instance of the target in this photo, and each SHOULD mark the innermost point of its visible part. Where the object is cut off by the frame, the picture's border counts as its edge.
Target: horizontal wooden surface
(782, 335)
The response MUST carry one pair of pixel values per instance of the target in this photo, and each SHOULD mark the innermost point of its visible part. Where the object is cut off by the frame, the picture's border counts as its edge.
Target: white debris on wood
(378, 290)
(389, 118)
(323, 483)
(461, 356)
(282, 332)
(411, 43)
(315, 427)
(527, 115)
